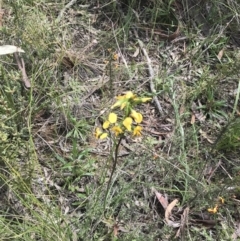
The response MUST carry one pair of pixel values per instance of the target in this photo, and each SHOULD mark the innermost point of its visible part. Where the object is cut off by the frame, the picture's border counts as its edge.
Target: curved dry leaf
(136, 53)
(193, 119)
(162, 199)
(205, 136)
(220, 54)
(168, 212)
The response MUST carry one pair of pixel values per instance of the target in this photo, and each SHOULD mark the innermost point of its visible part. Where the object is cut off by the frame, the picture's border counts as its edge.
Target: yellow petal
(98, 132)
(210, 210)
(139, 119)
(137, 131)
(106, 124)
(117, 130)
(141, 100)
(123, 105)
(221, 200)
(112, 118)
(129, 95)
(213, 210)
(118, 103)
(127, 123)
(104, 135)
(115, 57)
(137, 99)
(120, 97)
(145, 99)
(136, 116)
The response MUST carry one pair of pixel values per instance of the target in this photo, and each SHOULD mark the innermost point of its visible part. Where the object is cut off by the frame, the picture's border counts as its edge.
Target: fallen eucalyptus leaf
(10, 49)
(168, 214)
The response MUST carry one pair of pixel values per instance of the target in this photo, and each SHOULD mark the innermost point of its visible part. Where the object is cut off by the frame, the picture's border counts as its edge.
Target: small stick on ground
(151, 74)
(21, 66)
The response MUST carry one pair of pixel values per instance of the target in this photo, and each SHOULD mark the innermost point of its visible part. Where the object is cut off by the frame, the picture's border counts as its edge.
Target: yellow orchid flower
(103, 136)
(123, 100)
(112, 118)
(213, 210)
(127, 123)
(136, 116)
(106, 124)
(126, 102)
(137, 131)
(129, 95)
(117, 130)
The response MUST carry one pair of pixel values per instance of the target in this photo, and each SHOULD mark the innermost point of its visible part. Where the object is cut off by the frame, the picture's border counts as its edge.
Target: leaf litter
(164, 104)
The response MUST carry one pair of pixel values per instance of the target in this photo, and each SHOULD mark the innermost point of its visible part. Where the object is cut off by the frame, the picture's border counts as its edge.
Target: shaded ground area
(180, 179)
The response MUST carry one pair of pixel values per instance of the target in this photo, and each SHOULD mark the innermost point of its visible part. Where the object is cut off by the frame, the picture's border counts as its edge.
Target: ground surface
(80, 55)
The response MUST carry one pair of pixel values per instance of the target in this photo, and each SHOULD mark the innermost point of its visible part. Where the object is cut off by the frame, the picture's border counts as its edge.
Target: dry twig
(21, 66)
(151, 74)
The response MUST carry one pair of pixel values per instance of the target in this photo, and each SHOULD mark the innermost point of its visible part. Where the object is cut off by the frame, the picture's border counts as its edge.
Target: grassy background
(54, 173)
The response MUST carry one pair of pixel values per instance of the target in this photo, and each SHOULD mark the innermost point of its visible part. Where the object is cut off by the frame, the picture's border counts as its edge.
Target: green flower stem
(114, 159)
